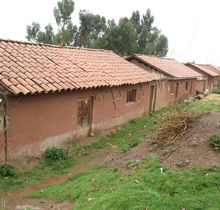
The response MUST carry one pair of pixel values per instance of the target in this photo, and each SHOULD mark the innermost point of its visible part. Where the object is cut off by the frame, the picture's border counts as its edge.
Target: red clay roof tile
(43, 68)
(206, 68)
(167, 66)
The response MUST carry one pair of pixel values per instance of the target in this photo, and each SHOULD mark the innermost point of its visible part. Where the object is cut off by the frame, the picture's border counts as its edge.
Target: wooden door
(176, 90)
(204, 85)
(191, 87)
(152, 98)
(84, 114)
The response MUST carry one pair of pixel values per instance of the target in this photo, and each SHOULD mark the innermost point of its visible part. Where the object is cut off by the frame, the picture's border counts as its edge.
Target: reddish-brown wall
(201, 85)
(36, 122)
(211, 81)
(216, 81)
(164, 97)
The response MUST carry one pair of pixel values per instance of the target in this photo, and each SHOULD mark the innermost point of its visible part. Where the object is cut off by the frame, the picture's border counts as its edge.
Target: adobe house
(210, 74)
(177, 82)
(53, 94)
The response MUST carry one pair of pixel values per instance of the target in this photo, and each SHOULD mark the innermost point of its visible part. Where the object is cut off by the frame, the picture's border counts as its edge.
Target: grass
(207, 105)
(145, 188)
(129, 135)
(38, 173)
(216, 90)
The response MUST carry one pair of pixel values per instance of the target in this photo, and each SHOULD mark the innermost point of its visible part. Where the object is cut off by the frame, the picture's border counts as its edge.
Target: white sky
(192, 26)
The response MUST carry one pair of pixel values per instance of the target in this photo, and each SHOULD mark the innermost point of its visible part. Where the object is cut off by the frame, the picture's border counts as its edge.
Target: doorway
(84, 112)
(153, 92)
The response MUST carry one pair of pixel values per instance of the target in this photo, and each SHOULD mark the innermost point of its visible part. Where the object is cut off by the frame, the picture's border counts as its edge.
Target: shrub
(214, 141)
(7, 170)
(55, 153)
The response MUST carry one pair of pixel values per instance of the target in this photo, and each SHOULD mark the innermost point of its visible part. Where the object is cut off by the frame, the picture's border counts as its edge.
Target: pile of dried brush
(173, 126)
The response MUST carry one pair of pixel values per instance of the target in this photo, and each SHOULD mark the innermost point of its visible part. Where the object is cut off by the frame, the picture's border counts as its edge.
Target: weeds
(195, 143)
(216, 90)
(214, 141)
(7, 170)
(38, 173)
(55, 153)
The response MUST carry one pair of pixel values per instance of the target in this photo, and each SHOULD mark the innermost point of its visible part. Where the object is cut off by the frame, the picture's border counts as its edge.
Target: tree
(62, 14)
(136, 34)
(92, 27)
(66, 29)
(150, 40)
(32, 31)
(136, 21)
(120, 38)
(46, 36)
(162, 45)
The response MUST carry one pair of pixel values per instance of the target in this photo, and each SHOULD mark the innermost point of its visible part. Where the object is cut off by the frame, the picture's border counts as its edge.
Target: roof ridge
(55, 46)
(156, 56)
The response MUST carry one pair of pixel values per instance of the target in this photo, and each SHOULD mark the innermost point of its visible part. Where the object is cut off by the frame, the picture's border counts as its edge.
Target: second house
(177, 81)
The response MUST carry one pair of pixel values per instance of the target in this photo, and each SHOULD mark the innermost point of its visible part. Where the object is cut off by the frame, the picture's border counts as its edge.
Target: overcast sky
(192, 26)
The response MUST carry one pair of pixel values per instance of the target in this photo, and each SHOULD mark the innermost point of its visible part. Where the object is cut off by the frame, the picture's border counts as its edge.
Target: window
(187, 86)
(131, 95)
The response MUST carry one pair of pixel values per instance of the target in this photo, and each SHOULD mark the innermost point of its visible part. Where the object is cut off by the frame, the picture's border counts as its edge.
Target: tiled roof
(167, 66)
(208, 69)
(205, 68)
(34, 68)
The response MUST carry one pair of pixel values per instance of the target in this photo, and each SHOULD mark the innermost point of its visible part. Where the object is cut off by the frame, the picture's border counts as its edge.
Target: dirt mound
(194, 149)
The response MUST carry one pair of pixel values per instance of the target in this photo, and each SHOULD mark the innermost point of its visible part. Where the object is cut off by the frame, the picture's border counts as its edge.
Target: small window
(187, 86)
(131, 95)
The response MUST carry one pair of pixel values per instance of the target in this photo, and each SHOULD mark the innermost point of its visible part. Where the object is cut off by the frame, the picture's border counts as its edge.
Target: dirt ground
(193, 149)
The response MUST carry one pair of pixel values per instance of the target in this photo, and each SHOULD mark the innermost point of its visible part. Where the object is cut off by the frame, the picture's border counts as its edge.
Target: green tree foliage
(62, 14)
(136, 34)
(46, 36)
(149, 38)
(120, 38)
(66, 29)
(92, 27)
(32, 31)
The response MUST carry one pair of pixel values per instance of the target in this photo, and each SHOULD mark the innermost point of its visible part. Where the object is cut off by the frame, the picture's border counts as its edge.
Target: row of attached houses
(210, 76)
(53, 94)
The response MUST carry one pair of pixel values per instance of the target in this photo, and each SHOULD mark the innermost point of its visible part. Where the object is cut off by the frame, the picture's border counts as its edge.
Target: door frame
(89, 126)
(153, 96)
